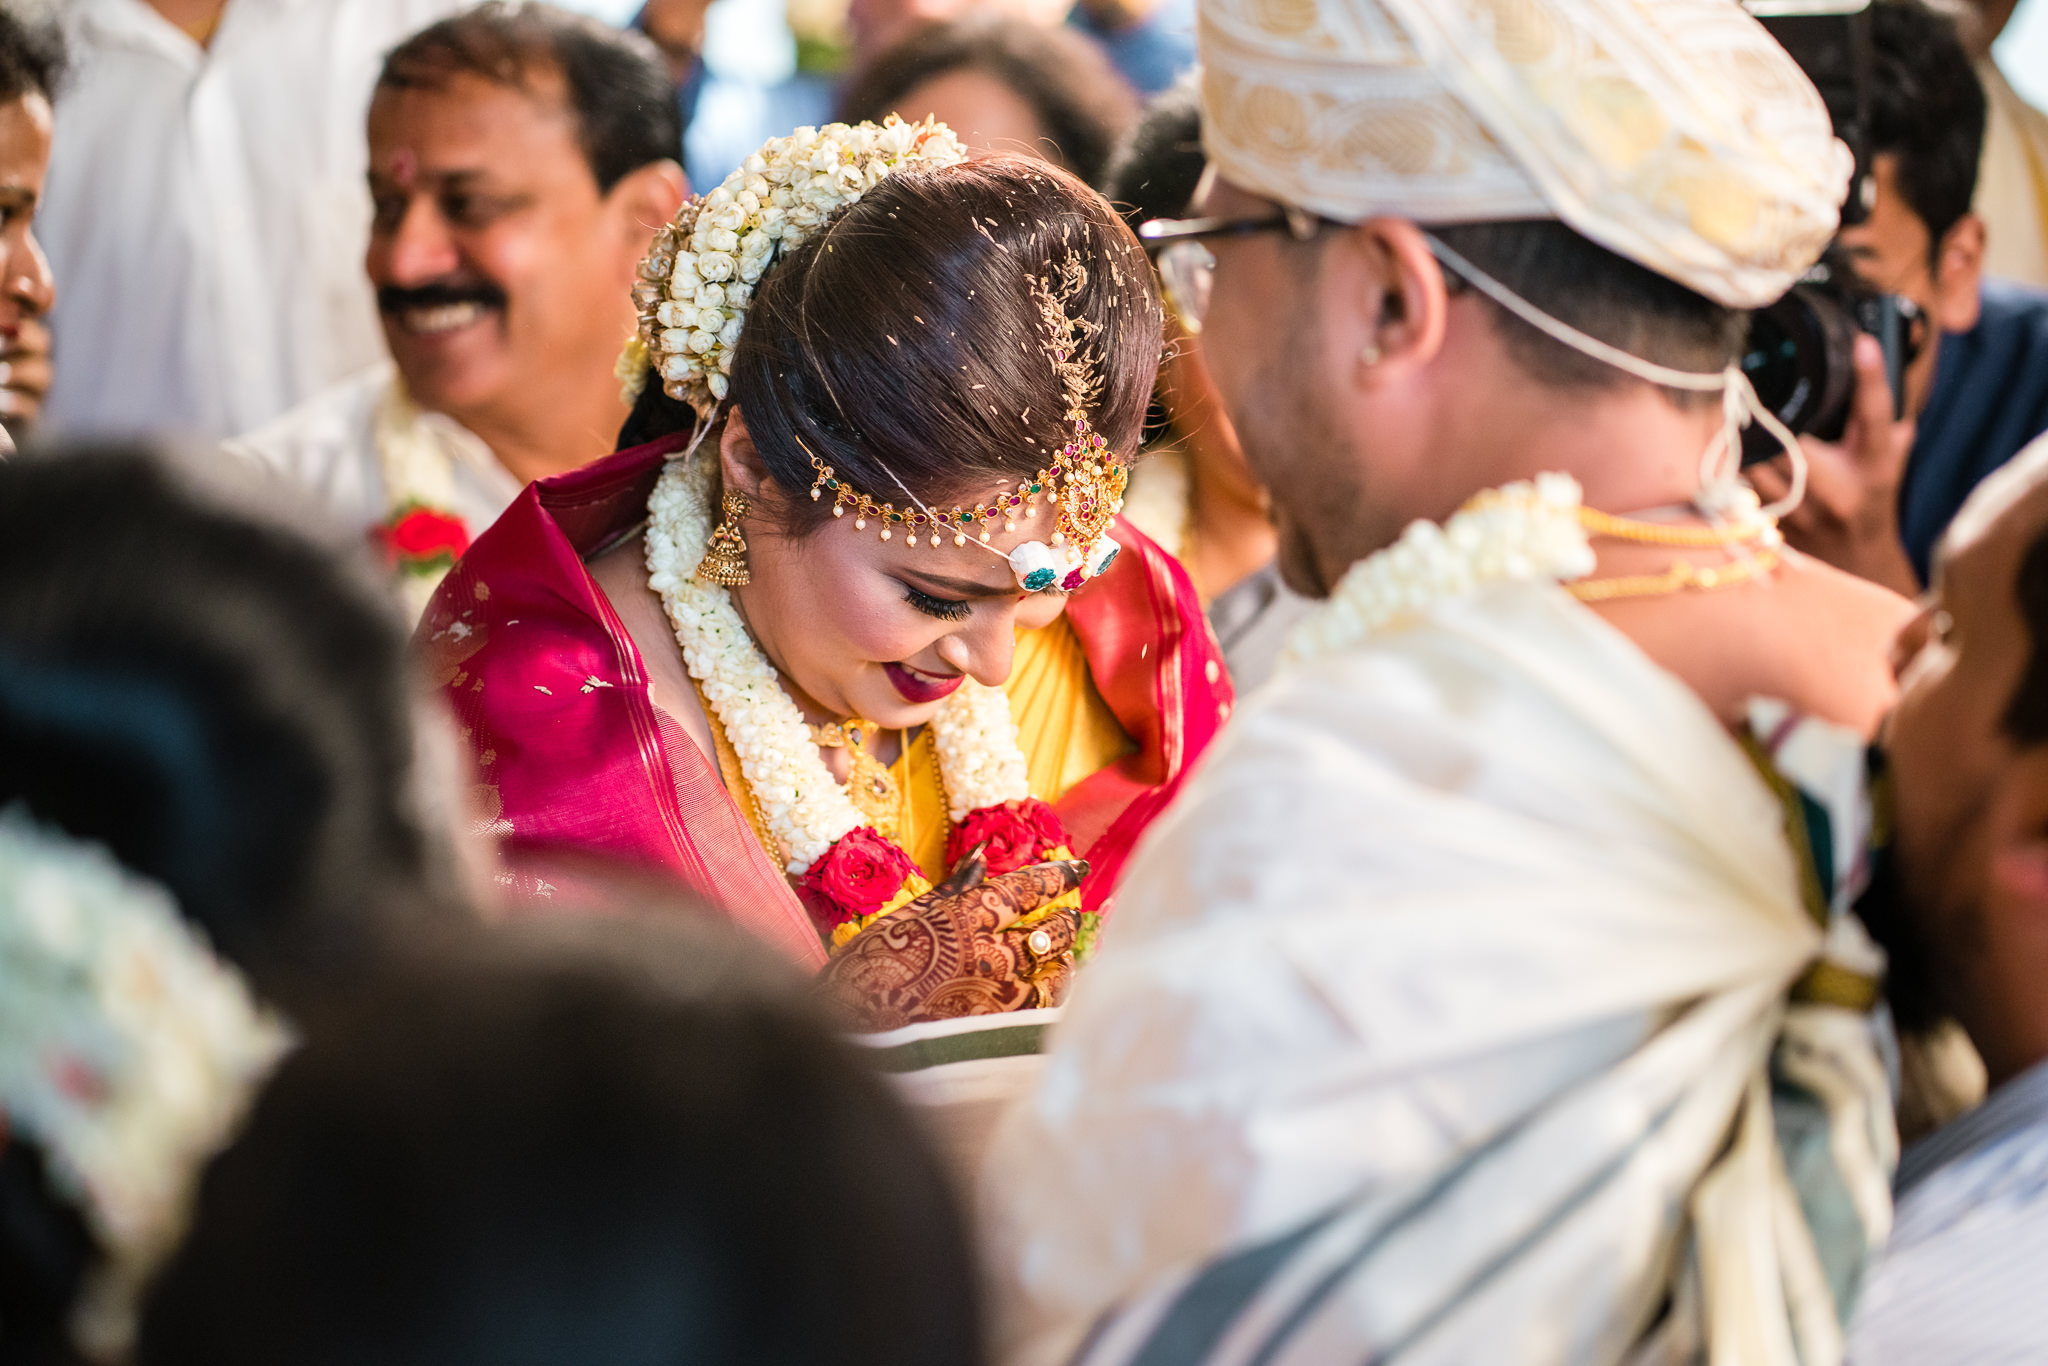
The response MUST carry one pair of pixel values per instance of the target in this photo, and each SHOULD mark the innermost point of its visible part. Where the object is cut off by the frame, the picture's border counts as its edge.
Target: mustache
(438, 294)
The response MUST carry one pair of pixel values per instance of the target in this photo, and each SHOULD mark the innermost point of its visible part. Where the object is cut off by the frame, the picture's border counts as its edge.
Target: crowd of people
(1384, 699)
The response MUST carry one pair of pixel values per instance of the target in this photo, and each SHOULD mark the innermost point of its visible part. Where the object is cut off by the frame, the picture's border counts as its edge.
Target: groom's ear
(739, 461)
(1406, 300)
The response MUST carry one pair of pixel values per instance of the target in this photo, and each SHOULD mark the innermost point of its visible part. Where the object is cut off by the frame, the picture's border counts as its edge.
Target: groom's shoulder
(1812, 636)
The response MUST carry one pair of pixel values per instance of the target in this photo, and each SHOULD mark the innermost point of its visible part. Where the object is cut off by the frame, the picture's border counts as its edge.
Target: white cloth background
(206, 212)
(327, 447)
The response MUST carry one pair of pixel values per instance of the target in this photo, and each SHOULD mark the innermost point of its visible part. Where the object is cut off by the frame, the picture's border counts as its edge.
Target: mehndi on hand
(959, 949)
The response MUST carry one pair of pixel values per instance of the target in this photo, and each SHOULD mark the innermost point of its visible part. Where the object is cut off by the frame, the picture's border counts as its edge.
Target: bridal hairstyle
(904, 338)
(224, 709)
(594, 1142)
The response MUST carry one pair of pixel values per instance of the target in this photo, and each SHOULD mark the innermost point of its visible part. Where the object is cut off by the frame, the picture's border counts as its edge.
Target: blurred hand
(1850, 518)
(957, 950)
(25, 372)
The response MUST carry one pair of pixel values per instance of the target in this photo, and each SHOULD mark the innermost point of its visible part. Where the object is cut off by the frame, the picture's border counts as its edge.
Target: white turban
(1676, 133)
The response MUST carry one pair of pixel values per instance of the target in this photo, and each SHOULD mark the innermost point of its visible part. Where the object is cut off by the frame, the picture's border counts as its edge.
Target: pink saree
(553, 700)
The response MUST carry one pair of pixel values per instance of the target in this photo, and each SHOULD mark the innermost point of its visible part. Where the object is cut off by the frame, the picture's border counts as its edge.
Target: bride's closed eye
(945, 609)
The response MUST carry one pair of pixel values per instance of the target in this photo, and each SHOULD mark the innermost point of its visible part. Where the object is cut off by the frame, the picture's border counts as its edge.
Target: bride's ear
(738, 461)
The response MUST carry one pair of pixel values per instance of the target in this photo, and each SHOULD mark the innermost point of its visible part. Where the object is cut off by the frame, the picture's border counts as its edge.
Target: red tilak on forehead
(404, 166)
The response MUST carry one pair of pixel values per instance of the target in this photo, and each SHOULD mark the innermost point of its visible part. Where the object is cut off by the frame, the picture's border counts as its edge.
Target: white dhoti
(1436, 1024)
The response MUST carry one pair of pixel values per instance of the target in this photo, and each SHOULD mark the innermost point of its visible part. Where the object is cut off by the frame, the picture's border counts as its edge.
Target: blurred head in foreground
(207, 787)
(223, 704)
(1965, 914)
(604, 1142)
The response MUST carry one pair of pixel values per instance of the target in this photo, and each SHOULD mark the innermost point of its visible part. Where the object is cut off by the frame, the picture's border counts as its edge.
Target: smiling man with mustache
(520, 158)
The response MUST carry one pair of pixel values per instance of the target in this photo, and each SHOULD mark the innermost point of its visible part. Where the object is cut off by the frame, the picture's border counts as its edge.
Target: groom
(1436, 1022)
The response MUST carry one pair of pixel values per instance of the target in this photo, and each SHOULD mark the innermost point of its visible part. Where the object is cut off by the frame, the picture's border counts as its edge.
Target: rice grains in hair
(907, 334)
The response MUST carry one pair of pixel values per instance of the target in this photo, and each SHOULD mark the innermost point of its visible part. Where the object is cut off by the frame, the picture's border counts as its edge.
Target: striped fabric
(1962, 1282)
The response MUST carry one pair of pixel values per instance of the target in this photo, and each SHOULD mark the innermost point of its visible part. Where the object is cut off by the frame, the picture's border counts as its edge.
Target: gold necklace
(1681, 577)
(869, 784)
(1652, 533)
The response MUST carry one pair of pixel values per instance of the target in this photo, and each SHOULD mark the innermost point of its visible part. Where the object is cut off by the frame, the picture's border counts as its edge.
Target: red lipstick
(918, 688)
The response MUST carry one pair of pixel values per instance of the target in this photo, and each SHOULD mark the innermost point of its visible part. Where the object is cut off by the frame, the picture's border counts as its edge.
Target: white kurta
(206, 213)
(329, 448)
(1483, 926)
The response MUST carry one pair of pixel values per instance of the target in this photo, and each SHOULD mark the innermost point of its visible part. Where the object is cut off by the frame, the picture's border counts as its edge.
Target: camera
(1801, 352)
(1800, 355)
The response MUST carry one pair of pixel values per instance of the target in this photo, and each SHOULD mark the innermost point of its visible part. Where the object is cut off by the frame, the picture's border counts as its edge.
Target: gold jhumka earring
(725, 559)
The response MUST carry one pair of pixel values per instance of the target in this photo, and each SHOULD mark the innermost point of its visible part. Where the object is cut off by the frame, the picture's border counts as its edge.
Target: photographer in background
(1978, 383)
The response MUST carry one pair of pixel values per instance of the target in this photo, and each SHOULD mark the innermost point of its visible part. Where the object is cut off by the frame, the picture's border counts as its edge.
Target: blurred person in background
(592, 1142)
(214, 798)
(31, 64)
(1961, 906)
(1151, 42)
(1001, 85)
(520, 159)
(205, 214)
(732, 97)
(1193, 492)
(2012, 177)
(1976, 390)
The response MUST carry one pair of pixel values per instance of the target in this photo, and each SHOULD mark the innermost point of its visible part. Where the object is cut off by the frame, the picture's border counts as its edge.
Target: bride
(851, 606)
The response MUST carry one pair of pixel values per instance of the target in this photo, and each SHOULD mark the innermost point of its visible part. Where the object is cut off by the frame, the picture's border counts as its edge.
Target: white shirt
(1961, 1281)
(329, 446)
(206, 212)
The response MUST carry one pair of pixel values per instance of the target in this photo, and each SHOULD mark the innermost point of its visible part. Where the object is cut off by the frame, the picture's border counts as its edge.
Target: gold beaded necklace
(869, 784)
(1683, 575)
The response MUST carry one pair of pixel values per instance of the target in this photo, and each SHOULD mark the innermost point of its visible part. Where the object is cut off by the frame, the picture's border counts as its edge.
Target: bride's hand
(956, 950)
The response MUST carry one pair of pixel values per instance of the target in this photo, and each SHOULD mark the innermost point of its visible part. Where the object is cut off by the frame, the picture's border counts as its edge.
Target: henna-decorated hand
(957, 950)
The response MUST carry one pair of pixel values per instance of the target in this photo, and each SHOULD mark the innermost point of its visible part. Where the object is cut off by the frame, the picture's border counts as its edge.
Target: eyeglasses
(1187, 268)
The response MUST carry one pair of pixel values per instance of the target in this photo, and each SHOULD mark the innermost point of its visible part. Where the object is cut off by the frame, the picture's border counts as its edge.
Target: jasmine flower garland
(1521, 532)
(697, 281)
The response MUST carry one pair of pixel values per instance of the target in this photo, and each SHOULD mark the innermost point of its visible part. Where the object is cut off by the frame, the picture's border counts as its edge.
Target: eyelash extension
(945, 609)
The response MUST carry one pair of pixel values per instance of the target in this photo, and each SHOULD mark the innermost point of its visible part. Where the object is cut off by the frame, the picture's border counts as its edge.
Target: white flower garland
(979, 755)
(1521, 532)
(806, 809)
(127, 1049)
(696, 282)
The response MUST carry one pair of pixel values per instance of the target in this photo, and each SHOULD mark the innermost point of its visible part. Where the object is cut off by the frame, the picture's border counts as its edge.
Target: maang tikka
(1084, 482)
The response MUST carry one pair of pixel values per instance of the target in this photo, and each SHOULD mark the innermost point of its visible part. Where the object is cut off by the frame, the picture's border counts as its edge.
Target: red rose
(856, 877)
(421, 534)
(1015, 833)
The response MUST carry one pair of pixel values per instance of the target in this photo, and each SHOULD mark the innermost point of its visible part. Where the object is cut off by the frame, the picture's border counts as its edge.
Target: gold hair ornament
(1085, 481)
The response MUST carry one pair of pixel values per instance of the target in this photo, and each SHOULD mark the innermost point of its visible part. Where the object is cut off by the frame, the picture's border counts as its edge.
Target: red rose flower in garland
(420, 538)
(859, 875)
(1015, 835)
